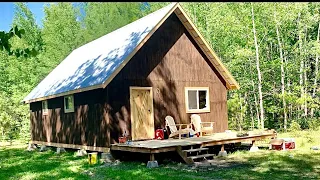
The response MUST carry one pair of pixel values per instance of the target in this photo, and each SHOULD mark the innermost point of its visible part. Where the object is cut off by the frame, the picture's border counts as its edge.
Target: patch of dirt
(207, 165)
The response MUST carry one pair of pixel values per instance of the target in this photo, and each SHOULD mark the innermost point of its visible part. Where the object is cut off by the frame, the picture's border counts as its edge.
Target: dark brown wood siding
(169, 61)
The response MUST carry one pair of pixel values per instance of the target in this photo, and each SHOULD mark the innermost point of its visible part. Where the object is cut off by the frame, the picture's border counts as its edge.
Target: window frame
(44, 110)
(207, 109)
(64, 104)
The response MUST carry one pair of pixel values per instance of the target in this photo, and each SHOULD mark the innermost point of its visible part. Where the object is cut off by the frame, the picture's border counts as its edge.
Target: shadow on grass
(260, 165)
(274, 165)
(21, 164)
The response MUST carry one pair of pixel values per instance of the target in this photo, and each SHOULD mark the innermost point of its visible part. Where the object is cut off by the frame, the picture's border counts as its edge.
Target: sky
(7, 13)
(37, 8)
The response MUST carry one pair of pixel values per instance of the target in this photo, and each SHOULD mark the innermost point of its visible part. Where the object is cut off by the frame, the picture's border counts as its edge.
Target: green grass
(302, 163)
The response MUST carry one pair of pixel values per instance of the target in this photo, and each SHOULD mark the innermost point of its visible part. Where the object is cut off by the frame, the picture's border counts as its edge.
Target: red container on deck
(159, 134)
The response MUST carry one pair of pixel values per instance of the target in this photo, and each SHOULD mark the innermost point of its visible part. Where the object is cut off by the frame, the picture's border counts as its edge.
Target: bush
(314, 124)
(303, 122)
(294, 127)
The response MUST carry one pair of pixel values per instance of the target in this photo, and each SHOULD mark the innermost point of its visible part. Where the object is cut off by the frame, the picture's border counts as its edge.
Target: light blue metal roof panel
(93, 63)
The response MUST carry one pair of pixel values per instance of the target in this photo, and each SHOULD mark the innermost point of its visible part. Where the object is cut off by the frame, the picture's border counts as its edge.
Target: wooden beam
(238, 139)
(72, 146)
(151, 157)
(141, 149)
(129, 148)
(65, 93)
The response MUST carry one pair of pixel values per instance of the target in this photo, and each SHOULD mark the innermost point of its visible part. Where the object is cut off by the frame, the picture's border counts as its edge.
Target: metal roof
(93, 63)
(96, 63)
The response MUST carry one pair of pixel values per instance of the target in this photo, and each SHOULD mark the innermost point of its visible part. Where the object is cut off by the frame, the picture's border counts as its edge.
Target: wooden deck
(158, 146)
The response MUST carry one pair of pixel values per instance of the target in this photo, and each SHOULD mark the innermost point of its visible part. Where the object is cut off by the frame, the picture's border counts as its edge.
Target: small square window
(197, 99)
(45, 107)
(68, 104)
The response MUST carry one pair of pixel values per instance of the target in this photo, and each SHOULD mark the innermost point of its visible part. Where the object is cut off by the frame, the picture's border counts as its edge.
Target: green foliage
(314, 124)
(102, 18)
(294, 127)
(6, 45)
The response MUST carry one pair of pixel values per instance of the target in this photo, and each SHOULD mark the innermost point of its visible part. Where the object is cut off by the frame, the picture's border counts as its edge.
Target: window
(197, 99)
(44, 107)
(68, 104)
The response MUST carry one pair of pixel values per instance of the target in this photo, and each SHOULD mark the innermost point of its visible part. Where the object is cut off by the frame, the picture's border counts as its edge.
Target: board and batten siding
(169, 61)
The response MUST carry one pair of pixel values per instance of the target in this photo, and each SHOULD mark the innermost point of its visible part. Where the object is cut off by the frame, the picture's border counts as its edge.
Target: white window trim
(44, 111)
(64, 104)
(186, 89)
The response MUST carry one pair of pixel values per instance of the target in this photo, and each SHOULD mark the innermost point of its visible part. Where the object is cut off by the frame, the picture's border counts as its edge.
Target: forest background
(272, 50)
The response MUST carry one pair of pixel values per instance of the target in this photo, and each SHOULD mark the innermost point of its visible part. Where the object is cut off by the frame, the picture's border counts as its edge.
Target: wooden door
(142, 120)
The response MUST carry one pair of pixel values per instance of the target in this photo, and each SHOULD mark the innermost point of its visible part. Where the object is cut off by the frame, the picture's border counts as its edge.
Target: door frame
(131, 104)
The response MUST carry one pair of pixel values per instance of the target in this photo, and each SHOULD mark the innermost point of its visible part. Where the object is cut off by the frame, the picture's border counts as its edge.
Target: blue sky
(7, 13)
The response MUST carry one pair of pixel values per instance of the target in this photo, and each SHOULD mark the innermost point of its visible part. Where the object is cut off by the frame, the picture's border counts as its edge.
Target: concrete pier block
(31, 147)
(222, 153)
(43, 148)
(152, 164)
(254, 149)
(81, 152)
(60, 150)
(107, 157)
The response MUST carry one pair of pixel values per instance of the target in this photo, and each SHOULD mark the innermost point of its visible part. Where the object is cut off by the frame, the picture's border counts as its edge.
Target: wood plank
(184, 156)
(64, 94)
(174, 143)
(201, 156)
(195, 150)
(116, 147)
(72, 146)
(142, 118)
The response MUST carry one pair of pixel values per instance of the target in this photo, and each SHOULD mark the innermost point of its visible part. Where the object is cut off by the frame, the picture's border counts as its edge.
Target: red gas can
(159, 134)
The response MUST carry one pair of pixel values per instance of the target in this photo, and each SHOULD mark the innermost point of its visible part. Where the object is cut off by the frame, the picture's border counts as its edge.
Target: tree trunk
(282, 77)
(305, 78)
(301, 62)
(251, 113)
(258, 70)
(288, 90)
(315, 73)
(256, 104)
(241, 115)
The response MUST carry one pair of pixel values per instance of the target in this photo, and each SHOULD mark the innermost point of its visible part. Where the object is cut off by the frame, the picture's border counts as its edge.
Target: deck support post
(222, 152)
(152, 163)
(151, 156)
(254, 147)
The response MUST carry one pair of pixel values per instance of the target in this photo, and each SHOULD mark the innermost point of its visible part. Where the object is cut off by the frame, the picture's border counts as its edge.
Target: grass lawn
(302, 163)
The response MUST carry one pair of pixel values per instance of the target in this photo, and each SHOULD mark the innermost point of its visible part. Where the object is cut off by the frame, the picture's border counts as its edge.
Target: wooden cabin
(128, 81)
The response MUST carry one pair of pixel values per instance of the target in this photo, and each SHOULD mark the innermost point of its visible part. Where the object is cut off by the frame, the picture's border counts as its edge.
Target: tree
(61, 32)
(102, 18)
(258, 69)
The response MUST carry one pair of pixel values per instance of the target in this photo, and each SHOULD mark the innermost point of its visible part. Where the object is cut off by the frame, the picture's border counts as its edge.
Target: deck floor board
(170, 144)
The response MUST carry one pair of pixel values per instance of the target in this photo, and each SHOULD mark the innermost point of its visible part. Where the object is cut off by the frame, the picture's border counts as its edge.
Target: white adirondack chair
(174, 131)
(201, 127)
